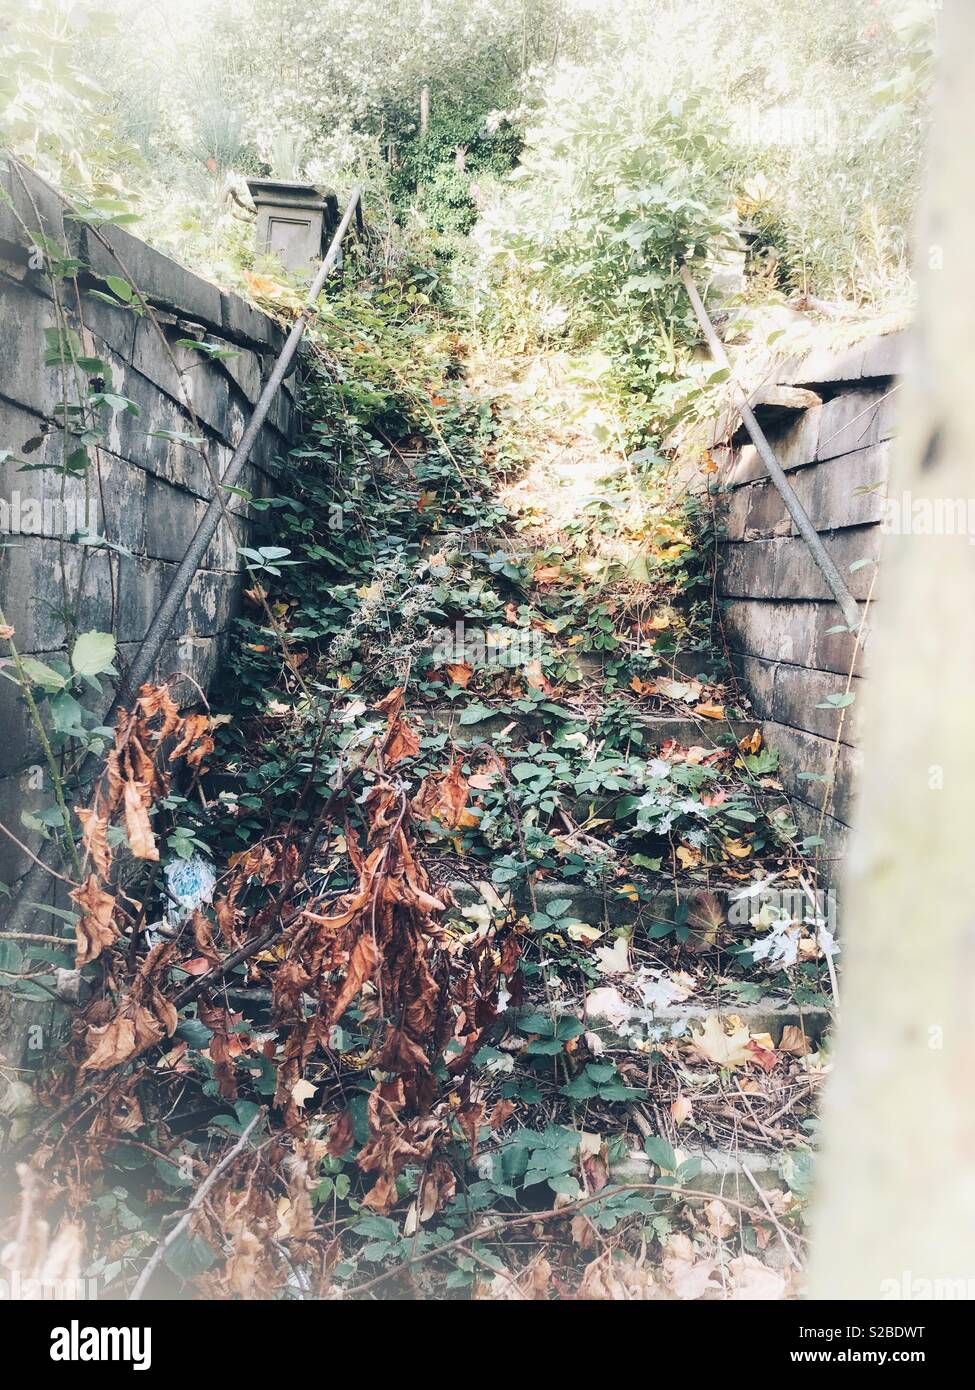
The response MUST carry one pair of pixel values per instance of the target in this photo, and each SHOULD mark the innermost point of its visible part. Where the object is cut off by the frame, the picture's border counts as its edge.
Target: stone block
(848, 490)
(242, 323)
(799, 633)
(33, 594)
(801, 752)
(212, 603)
(23, 377)
(172, 517)
(162, 280)
(142, 583)
(886, 356)
(746, 569)
(112, 328)
(850, 421)
(798, 694)
(797, 576)
(825, 366)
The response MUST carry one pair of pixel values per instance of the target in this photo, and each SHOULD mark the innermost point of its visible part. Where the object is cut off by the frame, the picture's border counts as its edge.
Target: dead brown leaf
(142, 842)
(96, 930)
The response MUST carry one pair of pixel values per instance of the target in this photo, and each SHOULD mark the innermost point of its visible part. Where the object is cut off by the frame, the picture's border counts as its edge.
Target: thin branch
(31, 855)
(197, 1201)
(503, 1223)
(787, 1244)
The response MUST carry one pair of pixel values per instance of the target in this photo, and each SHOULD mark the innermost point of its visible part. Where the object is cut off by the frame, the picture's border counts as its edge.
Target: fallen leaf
(681, 1110)
(302, 1091)
(460, 673)
(536, 680)
(753, 1280)
(501, 1113)
(766, 1059)
(719, 1219)
(608, 1004)
(794, 1041)
(713, 1044)
(709, 711)
(615, 959)
(688, 1279)
(678, 690)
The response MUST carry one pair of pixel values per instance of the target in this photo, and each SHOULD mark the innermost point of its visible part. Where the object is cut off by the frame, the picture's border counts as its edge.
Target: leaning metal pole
(145, 658)
(834, 580)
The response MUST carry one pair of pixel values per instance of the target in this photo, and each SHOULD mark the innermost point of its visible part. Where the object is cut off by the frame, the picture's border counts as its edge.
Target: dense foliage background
(805, 120)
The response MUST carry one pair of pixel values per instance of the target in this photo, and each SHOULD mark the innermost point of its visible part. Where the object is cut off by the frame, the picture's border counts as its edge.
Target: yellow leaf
(713, 1044)
(737, 848)
(580, 932)
(709, 711)
(689, 856)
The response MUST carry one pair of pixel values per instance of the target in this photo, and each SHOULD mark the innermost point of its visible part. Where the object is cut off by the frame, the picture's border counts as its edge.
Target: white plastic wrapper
(191, 883)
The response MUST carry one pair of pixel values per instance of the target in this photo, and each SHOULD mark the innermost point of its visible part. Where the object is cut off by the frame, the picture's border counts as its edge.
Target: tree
(897, 1188)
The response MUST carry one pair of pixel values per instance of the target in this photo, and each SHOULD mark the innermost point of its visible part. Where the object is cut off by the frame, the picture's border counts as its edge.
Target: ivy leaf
(43, 675)
(121, 288)
(93, 654)
(660, 1153)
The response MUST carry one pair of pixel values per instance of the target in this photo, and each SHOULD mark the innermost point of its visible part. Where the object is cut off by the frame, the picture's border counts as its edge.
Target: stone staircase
(753, 1160)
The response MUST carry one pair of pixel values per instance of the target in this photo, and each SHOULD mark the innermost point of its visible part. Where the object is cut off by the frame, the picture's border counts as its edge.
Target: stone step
(771, 1014)
(687, 730)
(722, 1171)
(660, 902)
(706, 666)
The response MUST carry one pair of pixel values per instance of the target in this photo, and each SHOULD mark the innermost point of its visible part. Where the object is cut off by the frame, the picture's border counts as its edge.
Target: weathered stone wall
(780, 619)
(143, 492)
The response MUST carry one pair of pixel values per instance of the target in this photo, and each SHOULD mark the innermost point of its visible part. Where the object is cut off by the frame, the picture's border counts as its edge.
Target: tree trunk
(895, 1207)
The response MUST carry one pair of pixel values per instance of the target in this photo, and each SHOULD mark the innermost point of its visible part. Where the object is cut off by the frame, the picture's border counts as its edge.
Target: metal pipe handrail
(145, 658)
(834, 580)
